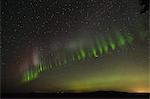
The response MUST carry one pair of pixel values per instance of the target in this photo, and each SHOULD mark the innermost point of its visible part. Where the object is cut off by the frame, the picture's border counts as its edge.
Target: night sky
(74, 46)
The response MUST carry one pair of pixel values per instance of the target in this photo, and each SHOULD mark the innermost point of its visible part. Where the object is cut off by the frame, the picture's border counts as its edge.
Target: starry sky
(81, 45)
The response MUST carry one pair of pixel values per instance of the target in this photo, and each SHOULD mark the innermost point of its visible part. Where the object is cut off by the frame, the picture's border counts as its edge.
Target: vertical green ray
(30, 75)
(129, 38)
(43, 67)
(50, 66)
(121, 39)
(26, 76)
(105, 46)
(89, 53)
(82, 52)
(99, 46)
(111, 43)
(46, 67)
(40, 67)
(78, 56)
(94, 51)
(35, 74)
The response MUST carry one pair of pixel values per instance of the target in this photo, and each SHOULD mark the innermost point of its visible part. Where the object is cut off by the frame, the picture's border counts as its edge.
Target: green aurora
(103, 46)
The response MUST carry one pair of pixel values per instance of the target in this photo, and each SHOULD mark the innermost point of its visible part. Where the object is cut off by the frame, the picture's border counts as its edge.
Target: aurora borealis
(75, 46)
(81, 55)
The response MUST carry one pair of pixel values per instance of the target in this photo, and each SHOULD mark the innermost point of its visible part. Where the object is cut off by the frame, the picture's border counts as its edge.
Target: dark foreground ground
(99, 94)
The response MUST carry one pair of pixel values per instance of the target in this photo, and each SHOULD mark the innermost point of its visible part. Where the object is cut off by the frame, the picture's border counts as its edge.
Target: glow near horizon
(101, 47)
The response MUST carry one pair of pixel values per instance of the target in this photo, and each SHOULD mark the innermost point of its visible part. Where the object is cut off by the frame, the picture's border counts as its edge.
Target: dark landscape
(98, 94)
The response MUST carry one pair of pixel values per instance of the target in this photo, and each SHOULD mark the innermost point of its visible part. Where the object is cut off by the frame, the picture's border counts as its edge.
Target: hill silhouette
(100, 94)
